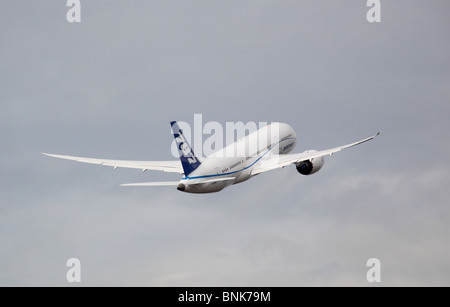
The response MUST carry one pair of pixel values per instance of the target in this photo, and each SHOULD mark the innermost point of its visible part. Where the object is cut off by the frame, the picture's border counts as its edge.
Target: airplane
(225, 167)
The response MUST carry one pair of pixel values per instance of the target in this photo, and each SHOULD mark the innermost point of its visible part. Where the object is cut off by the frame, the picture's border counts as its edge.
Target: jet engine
(309, 167)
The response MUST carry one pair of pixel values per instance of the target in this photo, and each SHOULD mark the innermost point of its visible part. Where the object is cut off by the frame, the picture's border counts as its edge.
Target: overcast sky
(108, 87)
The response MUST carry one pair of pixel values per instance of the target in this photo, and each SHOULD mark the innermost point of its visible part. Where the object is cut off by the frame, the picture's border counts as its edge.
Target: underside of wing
(164, 166)
(279, 161)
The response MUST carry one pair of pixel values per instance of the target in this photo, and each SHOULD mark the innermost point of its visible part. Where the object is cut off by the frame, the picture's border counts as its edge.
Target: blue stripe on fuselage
(234, 172)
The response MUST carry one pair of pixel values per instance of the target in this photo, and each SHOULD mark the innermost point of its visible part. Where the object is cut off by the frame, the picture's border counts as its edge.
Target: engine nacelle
(309, 167)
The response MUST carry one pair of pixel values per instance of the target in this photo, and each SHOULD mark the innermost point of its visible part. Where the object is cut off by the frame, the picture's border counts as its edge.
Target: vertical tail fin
(188, 159)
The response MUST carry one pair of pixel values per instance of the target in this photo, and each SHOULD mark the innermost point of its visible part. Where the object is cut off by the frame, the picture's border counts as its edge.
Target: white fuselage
(235, 163)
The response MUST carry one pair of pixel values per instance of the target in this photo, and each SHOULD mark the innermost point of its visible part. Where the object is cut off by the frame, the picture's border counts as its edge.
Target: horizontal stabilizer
(172, 183)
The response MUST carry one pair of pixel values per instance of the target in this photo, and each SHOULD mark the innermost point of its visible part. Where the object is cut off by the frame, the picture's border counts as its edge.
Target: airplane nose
(181, 187)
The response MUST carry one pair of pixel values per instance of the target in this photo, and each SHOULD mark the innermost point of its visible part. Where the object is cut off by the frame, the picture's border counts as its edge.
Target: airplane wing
(164, 166)
(279, 161)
